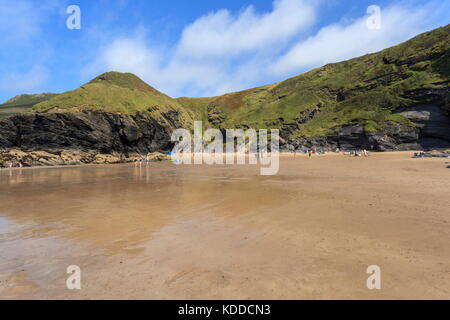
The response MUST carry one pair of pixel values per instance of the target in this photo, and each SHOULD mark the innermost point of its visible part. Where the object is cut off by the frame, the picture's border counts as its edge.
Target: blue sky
(196, 47)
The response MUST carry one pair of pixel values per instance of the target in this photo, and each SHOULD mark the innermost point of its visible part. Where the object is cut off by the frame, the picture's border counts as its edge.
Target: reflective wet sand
(161, 231)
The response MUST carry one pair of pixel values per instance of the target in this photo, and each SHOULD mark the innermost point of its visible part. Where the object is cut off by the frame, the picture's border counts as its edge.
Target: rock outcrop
(433, 125)
(396, 99)
(90, 130)
(351, 137)
(87, 137)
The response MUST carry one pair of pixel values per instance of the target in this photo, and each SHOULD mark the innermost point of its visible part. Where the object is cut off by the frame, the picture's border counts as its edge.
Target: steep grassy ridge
(366, 91)
(23, 103)
(396, 99)
(116, 92)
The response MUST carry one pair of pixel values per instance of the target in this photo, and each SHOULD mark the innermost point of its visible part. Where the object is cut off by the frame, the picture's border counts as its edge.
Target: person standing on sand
(310, 153)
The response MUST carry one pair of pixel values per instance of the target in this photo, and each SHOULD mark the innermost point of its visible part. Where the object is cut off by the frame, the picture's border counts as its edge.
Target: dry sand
(161, 231)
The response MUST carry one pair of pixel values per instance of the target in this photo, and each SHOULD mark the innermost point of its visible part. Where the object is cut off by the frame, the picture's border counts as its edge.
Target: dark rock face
(351, 137)
(433, 124)
(432, 133)
(395, 137)
(430, 114)
(110, 133)
(215, 115)
(101, 131)
(431, 130)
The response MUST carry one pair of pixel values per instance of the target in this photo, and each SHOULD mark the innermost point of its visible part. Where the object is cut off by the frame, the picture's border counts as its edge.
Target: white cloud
(221, 52)
(220, 33)
(131, 55)
(25, 82)
(168, 75)
(339, 42)
(199, 64)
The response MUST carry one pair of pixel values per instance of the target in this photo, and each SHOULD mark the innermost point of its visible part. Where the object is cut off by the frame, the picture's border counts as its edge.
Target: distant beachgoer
(310, 153)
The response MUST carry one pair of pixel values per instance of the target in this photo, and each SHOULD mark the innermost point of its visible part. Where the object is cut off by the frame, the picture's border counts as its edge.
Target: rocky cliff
(86, 135)
(396, 99)
(429, 128)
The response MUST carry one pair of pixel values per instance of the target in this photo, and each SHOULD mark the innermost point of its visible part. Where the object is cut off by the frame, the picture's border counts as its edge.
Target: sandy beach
(161, 231)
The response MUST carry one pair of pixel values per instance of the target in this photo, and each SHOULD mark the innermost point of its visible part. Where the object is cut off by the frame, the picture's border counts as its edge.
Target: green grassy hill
(365, 90)
(23, 103)
(116, 92)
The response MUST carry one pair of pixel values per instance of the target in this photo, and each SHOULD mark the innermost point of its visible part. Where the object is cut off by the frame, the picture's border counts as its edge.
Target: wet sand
(161, 231)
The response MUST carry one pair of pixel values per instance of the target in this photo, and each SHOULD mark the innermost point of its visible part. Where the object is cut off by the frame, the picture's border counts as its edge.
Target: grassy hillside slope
(23, 103)
(365, 90)
(116, 92)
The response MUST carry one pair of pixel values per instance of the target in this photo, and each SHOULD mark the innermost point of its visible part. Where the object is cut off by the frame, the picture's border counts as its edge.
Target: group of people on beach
(315, 151)
(140, 160)
(360, 153)
(12, 164)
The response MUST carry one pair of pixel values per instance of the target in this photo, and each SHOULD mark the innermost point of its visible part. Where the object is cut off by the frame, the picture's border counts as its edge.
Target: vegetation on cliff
(368, 92)
(23, 103)
(117, 92)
